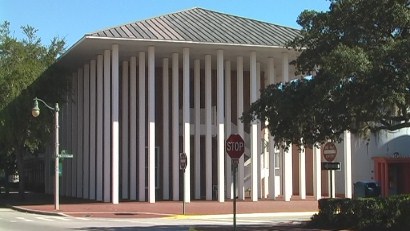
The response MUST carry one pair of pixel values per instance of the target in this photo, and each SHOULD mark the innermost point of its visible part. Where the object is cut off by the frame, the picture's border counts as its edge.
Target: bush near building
(391, 213)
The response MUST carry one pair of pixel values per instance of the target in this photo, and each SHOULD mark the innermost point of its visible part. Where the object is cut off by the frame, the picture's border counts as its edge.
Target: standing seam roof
(200, 25)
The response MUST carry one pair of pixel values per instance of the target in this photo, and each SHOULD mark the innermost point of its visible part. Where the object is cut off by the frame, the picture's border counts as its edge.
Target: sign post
(235, 147)
(183, 161)
(329, 153)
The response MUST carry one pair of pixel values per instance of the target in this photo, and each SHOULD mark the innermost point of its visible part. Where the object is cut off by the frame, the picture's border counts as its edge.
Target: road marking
(23, 219)
(62, 218)
(44, 218)
(81, 218)
(5, 210)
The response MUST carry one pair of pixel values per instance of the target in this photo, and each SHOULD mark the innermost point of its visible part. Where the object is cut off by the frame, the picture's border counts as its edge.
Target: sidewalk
(43, 203)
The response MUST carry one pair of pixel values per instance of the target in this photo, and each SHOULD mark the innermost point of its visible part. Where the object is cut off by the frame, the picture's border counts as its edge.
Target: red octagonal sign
(235, 146)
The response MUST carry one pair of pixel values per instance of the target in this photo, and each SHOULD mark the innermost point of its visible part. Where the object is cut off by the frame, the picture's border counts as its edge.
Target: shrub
(392, 213)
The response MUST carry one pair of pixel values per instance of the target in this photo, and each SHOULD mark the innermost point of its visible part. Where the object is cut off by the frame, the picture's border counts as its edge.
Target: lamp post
(36, 112)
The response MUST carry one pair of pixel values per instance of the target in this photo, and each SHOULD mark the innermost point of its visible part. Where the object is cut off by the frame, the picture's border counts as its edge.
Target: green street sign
(64, 154)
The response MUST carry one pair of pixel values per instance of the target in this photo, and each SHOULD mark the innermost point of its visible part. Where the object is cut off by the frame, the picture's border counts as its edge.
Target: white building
(142, 93)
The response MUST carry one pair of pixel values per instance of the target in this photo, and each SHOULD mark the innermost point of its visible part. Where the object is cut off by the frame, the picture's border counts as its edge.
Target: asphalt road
(11, 220)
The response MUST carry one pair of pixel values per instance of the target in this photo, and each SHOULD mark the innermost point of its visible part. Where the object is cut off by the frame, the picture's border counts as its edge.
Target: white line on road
(44, 218)
(23, 219)
(62, 218)
(81, 218)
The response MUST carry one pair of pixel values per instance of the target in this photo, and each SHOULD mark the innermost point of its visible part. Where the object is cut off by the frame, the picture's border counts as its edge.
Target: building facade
(142, 93)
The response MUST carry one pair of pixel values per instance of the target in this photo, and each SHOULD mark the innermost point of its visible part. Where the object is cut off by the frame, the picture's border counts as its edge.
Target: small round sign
(329, 151)
(183, 161)
(235, 146)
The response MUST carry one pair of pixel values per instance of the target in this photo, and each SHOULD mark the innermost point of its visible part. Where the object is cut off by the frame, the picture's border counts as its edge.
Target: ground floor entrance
(393, 174)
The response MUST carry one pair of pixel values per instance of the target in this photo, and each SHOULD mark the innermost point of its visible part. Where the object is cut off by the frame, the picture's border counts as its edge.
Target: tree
(27, 70)
(357, 57)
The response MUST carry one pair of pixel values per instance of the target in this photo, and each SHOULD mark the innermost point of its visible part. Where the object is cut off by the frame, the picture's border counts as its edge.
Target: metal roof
(203, 26)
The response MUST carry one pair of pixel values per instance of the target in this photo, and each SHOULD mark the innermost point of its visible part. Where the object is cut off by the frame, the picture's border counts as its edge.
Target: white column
(115, 123)
(221, 125)
(80, 132)
(259, 156)
(175, 126)
(287, 154)
(317, 174)
(332, 185)
(347, 160)
(100, 128)
(133, 128)
(124, 131)
(241, 130)
(265, 160)
(228, 127)
(272, 171)
(302, 173)
(107, 126)
(272, 180)
(93, 121)
(208, 124)
(74, 135)
(86, 140)
(151, 124)
(287, 175)
(254, 129)
(141, 126)
(197, 139)
(265, 146)
(165, 128)
(186, 121)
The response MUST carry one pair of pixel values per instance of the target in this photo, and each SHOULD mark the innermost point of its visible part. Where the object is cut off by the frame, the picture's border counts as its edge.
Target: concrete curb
(34, 211)
(245, 215)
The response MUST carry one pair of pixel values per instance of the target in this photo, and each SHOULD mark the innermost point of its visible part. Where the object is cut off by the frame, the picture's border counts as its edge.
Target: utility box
(366, 189)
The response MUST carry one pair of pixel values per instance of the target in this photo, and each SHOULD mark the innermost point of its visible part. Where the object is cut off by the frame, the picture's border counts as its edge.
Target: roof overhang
(89, 47)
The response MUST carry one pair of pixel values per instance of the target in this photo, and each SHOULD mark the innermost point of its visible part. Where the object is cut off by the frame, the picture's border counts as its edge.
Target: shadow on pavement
(293, 227)
(32, 198)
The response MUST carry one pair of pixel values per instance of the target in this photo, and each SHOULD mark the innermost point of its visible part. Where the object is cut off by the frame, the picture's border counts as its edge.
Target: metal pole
(234, 171)
(183, 191)
(235, 167)
(56, 172)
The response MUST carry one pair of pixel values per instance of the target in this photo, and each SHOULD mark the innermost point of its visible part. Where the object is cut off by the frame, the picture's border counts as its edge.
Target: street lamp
(36, 112)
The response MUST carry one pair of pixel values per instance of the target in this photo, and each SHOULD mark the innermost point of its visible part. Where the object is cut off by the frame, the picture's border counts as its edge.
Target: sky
(72, 19)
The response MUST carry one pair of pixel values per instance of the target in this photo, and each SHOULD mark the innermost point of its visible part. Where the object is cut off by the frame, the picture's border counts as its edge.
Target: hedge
(391, 213)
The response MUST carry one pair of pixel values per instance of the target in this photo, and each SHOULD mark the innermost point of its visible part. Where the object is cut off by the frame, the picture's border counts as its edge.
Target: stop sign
(329, 151)
(235, 146)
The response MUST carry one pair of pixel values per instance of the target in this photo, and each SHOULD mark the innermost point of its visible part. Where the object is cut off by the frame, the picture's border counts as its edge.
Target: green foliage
(335, 212)
(358, 54)
(27, 70)
(390, 213)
